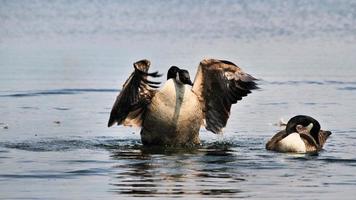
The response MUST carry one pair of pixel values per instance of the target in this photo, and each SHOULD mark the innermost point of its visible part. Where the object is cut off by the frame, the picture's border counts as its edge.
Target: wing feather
(219, 84)
(136, 94)
(271, 144)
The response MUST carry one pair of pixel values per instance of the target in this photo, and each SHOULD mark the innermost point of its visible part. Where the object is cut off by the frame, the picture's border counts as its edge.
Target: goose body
(301, 135)
(173, 114)
(173, 117)
(292, 143)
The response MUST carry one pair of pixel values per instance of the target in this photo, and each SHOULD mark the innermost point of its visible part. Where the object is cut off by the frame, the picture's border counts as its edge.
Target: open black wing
(219, 84)
(134, 97)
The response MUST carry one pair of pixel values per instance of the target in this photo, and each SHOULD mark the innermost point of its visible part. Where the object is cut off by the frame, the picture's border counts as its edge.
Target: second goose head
(303, 124)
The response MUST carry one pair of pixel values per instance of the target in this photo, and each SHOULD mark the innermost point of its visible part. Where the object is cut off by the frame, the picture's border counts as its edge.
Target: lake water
(62, 64)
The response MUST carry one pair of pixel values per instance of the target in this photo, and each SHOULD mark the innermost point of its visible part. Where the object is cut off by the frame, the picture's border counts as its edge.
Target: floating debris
(281, 123)
(57, 122)
(4, 125)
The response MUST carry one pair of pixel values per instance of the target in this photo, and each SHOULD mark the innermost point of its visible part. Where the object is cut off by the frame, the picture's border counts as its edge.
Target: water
(62, 64)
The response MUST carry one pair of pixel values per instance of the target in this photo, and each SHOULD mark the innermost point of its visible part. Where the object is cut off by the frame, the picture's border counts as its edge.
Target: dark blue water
(62, 64)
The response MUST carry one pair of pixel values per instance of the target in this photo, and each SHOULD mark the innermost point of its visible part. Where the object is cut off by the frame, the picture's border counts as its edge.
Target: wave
(308, 82)
(329, 159)
(246, 19)
(55, 144)
(41, 174)
(347, 88)
(65, 91)
(349, 85)
(109, 143)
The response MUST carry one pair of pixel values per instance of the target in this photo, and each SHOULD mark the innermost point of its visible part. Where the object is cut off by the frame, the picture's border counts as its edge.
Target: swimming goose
(173, 114)
(301, 135)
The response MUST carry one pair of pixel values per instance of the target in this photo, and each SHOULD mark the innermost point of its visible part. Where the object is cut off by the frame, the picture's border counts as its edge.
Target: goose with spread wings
(173, 114)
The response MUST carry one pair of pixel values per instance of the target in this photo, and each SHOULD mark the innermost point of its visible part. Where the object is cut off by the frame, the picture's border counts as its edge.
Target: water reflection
(205, 171)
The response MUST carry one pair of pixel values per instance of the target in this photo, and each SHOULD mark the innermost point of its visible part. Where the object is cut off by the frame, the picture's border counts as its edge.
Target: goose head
(304, 124)
(180, 75)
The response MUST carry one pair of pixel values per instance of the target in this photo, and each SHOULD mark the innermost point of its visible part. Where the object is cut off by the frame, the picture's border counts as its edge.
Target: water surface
(63, 63)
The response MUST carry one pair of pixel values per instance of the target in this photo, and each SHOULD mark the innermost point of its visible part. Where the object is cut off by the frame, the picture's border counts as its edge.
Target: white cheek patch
(177, 78)
(302, 129)
(309, 127)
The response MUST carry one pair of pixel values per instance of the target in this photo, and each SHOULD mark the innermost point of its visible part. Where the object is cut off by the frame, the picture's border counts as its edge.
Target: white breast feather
(292, 143)
(173, 104)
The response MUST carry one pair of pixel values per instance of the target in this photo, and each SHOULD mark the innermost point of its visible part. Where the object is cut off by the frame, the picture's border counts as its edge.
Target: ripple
(312, 82)
(29, 108)
(54, 144)
(304, 82)
(83, 161)
(273, 103)
(61, 108)
(309, 103)
(330, 160)
(119, 146)
(339, 160)
(92, 171)
(34, 176)
(347, 88)
(340, 82)
(65, 91)
(50, 145)
(154, 190)
(57, 175)
(216, 169)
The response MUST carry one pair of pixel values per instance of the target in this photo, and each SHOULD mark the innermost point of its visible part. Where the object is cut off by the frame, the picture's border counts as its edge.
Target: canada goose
(301, 135)
(173, 114)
